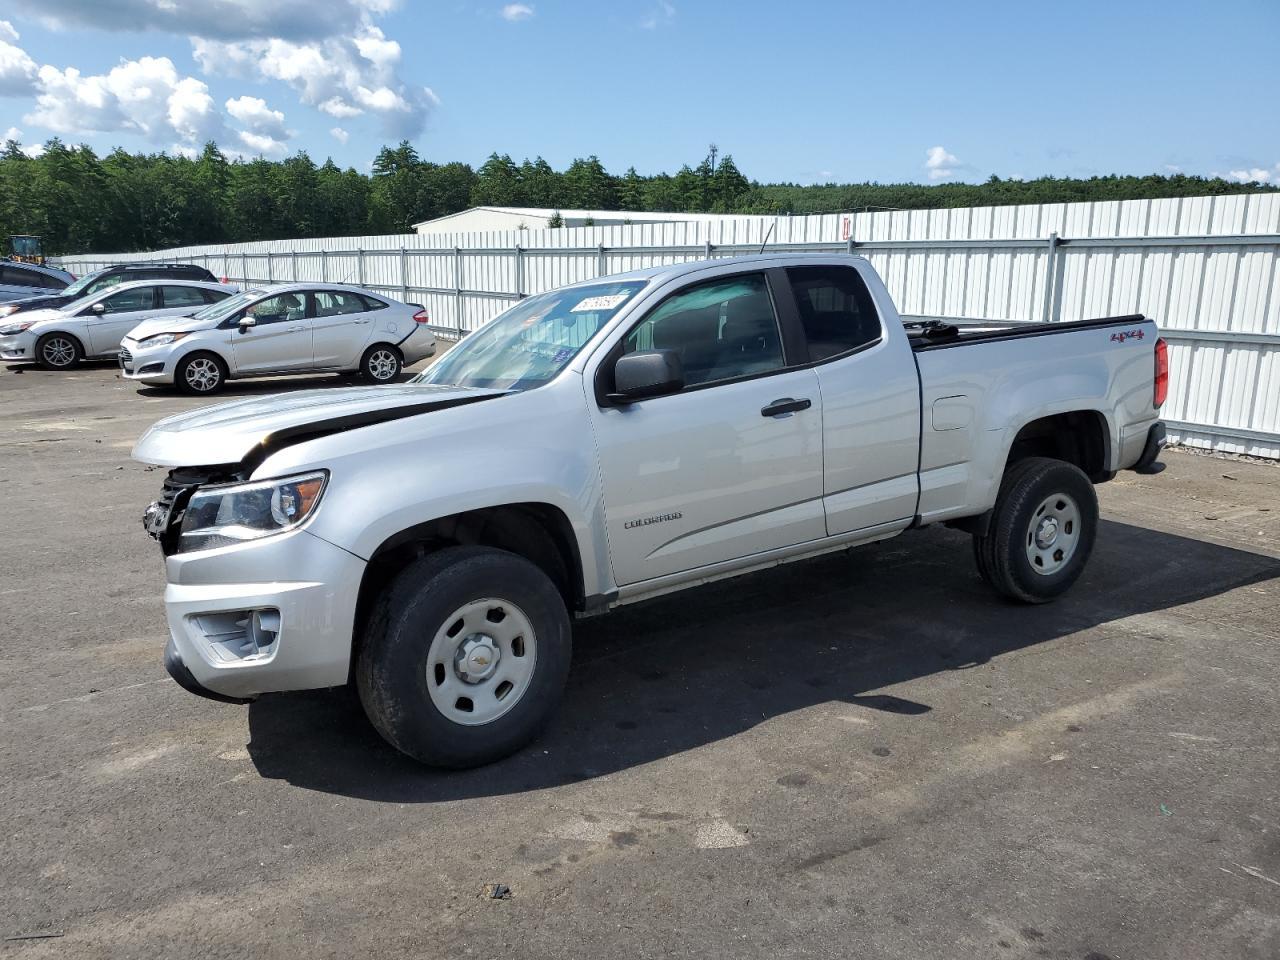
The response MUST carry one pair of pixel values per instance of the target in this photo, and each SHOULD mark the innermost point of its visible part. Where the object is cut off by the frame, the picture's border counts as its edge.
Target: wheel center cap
(477, 658)
(1046, 532)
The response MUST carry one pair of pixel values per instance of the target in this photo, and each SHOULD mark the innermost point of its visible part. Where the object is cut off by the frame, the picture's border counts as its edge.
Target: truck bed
(934, 333)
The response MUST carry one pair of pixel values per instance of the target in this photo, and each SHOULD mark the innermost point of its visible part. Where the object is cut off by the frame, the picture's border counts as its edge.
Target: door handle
(785, 405)
(363, 320)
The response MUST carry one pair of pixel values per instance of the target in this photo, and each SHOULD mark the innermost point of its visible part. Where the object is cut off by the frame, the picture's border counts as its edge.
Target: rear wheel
(465, 656)
(58, 351)
(381, 363)
(1042, 530)
(200, 374)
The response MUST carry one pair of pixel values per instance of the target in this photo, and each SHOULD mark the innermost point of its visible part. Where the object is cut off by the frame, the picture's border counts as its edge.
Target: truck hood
(249, 430)
(169, 324)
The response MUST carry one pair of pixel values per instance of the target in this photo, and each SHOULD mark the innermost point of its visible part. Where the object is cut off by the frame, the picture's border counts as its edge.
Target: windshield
(224, 308)
(532, 342)
(82, 286)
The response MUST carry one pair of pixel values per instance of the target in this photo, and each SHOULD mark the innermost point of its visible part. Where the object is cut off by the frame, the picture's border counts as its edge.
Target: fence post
(324, 266)
(457, 288)
(244, 266)
(602, 262)
(359, 267)
(706, 254)
(1049, 309)
(293, 264)
(519, 251)
(270, 277)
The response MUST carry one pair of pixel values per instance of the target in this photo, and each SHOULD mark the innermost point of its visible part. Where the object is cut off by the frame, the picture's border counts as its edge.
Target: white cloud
(662, 13)
(144, 96)
(339, 134)
(517, 11)
(1260, 174)
(254, 113)
(261, 144)
(344, 76)
(17, 70)
(940, 163)
(13, 133)
(1172, 168)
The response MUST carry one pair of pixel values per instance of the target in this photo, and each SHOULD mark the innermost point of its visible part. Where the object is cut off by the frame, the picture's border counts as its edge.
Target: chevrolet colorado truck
(608, 442)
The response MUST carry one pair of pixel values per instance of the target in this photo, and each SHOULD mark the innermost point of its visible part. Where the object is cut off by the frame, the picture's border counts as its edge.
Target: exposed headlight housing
(15, 328)
(220, 515)
(160, 339)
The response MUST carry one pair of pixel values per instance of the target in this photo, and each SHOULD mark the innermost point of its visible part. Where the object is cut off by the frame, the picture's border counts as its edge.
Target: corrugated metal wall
(1203, 267)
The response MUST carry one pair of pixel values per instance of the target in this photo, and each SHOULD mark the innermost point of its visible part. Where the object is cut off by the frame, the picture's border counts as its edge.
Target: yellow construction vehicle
(26, 249)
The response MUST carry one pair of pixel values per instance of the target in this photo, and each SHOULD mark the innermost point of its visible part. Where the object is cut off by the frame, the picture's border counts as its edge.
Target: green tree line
(80, 202)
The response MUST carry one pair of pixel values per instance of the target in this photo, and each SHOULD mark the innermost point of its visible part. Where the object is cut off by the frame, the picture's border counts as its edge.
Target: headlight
(236, 512)
(15, 328)
(160, 339)
(8, 308)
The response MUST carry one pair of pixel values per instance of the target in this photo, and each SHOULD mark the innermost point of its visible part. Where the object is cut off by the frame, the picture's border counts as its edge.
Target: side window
(103, 282)
(835, 309)
(182, 297)
(278, 309)
(213, 296)
(135, 298)
(49, 282)
(373, 304)
(333, 303)
(722, 329)
(17, 277)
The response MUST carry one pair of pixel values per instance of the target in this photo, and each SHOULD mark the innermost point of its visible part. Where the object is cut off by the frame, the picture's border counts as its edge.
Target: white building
(477, 219)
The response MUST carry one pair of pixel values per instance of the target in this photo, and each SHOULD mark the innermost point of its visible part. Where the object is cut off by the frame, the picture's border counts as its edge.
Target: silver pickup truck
(608, 442)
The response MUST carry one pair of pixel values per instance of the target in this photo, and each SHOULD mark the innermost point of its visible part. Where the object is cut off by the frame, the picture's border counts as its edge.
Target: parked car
(63, 294)
(613, 441)
(92, 326)
(280, 329)
(21, 280)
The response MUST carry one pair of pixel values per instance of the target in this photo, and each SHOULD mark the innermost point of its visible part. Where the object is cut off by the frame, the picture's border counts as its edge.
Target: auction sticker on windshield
(599, 303)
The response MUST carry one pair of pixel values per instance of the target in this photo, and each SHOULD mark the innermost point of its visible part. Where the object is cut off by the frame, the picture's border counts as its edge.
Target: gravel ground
(865, 755)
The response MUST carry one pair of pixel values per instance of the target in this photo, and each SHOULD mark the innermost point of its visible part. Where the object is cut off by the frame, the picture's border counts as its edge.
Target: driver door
(121, 312)
(278, 341)
(730, 466)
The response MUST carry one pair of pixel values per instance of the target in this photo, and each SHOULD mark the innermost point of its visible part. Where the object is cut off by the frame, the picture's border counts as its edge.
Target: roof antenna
(768, 235)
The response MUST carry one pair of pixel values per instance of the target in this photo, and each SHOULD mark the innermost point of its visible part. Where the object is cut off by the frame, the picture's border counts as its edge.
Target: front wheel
(465, 656)
(200, 374)
(58, 351)
(381, 364)
(1041, 532)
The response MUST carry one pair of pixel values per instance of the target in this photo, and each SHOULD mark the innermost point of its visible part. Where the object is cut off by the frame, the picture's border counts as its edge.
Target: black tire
(396, 668)
(381, 363)
(1020, 555)
(200, 374)
(58, 351)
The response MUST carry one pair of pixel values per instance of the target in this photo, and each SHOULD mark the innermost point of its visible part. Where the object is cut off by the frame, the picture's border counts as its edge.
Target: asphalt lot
(866, 755)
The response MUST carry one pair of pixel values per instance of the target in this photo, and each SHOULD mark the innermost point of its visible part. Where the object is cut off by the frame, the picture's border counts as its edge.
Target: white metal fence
(1205, 268)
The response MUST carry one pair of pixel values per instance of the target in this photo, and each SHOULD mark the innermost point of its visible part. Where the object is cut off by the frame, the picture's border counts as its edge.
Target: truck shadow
(683, 671)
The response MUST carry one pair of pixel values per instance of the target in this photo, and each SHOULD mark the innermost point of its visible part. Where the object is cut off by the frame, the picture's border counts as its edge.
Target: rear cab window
(836, 310)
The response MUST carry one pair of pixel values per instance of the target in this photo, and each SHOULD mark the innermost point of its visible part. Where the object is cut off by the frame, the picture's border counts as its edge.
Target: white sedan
(280, 329)
(92, 326)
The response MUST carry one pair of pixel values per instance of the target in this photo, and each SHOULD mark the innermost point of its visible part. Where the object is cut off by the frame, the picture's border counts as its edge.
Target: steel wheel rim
(481, 661)
(202, 374)
(382, 365)
(1053, 535)
(58, 352)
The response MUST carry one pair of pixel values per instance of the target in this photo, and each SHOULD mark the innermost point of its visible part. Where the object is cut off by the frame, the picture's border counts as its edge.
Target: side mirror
(99, 308)
(646, 373)
(247, 321)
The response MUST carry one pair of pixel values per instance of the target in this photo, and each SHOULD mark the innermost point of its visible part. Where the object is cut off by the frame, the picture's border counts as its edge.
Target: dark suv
(110, 276)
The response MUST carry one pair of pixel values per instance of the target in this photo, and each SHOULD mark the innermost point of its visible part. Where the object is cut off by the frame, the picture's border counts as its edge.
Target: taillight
(421, 317)
(1162, 372)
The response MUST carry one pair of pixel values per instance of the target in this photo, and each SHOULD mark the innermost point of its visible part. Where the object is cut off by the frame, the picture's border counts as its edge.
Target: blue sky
(804, 91)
